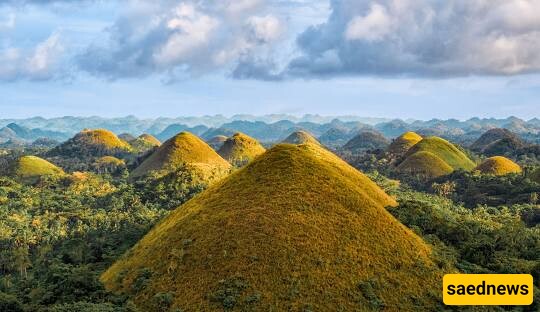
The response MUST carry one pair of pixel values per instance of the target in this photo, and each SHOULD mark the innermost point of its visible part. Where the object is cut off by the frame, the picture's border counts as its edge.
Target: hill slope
(300, 137)
(240, 149)
(32, 167)
(445, 151)
(296, 229)
(95, 143)
(498, 165)
(144, 142)
(425, 164)
(491, 136)
(184, 148)
(217, 142)
(403, 143)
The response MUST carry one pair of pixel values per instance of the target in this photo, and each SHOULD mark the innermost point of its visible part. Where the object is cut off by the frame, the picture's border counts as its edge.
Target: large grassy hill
(94, 143)
(445, 150)
(498, 165)
(183, 149)
(297, 229)
(240, 149)
(425, 164)
(30, 168)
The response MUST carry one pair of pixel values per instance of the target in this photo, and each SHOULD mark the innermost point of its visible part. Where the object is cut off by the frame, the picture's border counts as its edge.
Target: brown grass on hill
(184, 149)
(296, 229)
(240, 149)
(498, 165)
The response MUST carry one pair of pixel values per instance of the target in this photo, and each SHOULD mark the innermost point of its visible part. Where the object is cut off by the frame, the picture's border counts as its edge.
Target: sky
(416, 59)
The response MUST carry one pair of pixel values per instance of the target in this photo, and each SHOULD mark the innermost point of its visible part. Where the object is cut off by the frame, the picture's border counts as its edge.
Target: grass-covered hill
(424, 164)
(445, 150)
(297, 229)
(493, 135)
(183, 149)
(300, 137)
(240, 149)
(403, 143)
(366, 140)
(498, 165)
(217, 142)
(91, 143)
(31, 168)
(144, 142)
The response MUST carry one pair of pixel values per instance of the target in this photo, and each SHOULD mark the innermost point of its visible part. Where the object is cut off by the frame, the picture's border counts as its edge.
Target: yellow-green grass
(109, 161)
(145, 142)
(100, 138)
(240, 149)
(498, 165)
(404, 142)
(301, 137)
(33, 167)
(425, 164)
(184, 149)
(445, 150)
(296, 228)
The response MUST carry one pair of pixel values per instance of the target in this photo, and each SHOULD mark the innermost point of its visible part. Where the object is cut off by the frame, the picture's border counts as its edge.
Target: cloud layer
(182, 37)
(271, 40)
(434, 38)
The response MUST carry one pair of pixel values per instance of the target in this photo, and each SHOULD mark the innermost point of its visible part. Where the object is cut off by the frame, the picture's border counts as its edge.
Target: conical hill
(240, 149)
(300, 137)
(498, 165)
(425, 164)
(445, 150)
(403, 143)
(31, 168)
(183, 149)
(94, 143)
(295, 229)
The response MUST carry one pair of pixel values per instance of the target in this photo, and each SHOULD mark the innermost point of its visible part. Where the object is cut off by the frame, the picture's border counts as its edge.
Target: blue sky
(386, 58)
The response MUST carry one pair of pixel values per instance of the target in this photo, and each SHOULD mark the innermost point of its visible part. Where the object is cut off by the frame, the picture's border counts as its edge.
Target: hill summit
(183, 149)
(144, 142)
(240, 149)
(301, 137)
(93, 143)
(498, 165)
(366, 140)
(31, 168)
(404, 142)
(296, 229)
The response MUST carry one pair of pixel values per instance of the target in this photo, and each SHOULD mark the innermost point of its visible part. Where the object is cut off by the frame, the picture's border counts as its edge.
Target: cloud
(193, 37)
(422, 38)
(41, 62)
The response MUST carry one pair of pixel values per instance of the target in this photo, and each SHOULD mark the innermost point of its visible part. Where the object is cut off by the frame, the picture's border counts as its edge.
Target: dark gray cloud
(432, 38)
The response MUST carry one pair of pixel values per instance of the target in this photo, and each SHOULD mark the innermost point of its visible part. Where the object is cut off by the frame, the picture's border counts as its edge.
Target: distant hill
(183, 149)
(256, 242)
(444, 150)
(366, 140)
(217, 141)
(300, 137)
(144, 142)
(498, 165)
(174, 129)
(498, 141)
(403, 143)
(240, 149)
(335, 137)
(92, 143)
(31, 168)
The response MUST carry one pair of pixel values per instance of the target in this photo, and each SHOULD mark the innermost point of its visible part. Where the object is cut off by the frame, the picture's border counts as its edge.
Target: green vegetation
(424, 164)
(301, 137)
(274, 235)
(403, 143)
(109, 164)
(184, 149)
(240, 149)
(445, 150)
(498, 165)
(99, 142)
(31, 168)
